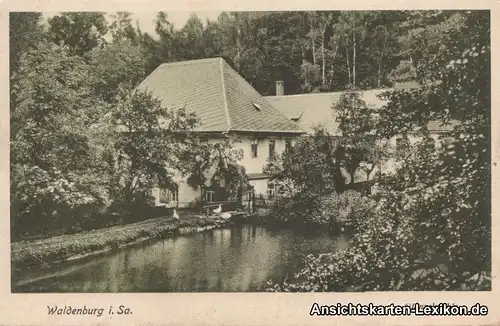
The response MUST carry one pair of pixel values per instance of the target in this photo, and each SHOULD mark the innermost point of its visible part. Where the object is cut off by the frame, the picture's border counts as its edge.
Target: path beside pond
(43, 252)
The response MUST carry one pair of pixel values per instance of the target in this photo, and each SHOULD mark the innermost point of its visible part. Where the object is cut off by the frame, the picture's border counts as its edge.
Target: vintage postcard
(225, 164)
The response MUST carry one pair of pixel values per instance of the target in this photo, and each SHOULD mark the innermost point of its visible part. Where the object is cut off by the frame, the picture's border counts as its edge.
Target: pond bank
(43, 252)
(239, 257)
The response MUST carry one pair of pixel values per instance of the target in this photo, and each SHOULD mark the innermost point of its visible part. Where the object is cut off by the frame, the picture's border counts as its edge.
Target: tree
(311, 75)
(25, 31)
(405, 71)
(380, 51)
(54, 106)
(212, 38)
(304, 195)
(319, 24)
(121, 28)
(317, 155)
(115, 64)
(190, 39)
(163, 49)
(422, 44)
(360, 147)
(376, 155)
(53, 168)
(217, 164)
(351, 28)
(80, 31)
(431, 229)
(147, 147)
(308, 50)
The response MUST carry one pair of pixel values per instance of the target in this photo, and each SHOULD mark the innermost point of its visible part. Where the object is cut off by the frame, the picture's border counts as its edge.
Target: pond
(239, 258)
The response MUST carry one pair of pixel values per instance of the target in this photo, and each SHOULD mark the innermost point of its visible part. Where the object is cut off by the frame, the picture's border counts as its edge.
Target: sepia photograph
(250, 151)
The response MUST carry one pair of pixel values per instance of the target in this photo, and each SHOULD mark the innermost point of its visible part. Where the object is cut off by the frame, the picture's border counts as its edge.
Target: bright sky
(177, 18)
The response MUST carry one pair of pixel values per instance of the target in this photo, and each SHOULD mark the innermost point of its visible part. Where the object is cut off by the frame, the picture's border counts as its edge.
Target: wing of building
(315, 110)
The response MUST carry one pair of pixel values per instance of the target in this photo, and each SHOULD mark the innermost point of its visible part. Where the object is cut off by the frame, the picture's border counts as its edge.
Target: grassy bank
(75, 246)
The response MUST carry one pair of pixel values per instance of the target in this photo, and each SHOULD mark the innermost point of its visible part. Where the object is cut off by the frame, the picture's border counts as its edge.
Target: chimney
(280, 88)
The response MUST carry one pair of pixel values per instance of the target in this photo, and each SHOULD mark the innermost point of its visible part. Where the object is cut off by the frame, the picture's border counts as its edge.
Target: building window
(288, 144)
(167, 196)
(254, 147)
(209, 196)
(272, 149)
(271, 190)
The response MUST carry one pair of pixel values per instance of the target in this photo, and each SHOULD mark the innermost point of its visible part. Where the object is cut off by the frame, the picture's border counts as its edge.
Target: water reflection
(241, 258)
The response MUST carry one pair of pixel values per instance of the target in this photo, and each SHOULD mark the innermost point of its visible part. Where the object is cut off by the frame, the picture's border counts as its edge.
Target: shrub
(348, 207)
(299, 208)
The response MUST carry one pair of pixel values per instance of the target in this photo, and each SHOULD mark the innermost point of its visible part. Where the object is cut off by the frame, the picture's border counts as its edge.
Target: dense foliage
(82, 142)
(302, 193)
(310, 51)
(52, 160)
(216, 164)
(431, 229)
(86, 148)
(316, 155)
(346, 209)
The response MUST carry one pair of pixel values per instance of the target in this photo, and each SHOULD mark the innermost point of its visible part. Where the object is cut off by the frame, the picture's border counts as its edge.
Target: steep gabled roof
(218, 95)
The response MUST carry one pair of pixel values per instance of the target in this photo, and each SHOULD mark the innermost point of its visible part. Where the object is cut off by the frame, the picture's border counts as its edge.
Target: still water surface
(239, 258)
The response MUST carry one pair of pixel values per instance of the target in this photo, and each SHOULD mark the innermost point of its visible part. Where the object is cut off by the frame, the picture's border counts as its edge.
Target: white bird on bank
(175, 215)
(218, 210)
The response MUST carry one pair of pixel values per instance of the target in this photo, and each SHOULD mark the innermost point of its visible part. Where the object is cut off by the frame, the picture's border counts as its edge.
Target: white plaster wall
(260, 186)
(251, 164)
(187, 194)
(256, 164)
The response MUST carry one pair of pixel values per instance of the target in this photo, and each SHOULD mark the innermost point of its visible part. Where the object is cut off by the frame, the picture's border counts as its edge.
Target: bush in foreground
(431, 229)
(329, 210)
(346, 208)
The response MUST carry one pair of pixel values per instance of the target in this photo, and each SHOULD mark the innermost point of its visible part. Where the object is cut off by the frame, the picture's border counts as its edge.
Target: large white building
(226, 104)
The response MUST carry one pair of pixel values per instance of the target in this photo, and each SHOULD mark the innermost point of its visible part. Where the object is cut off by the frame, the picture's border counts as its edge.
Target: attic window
(298, 118)
(257, 106)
